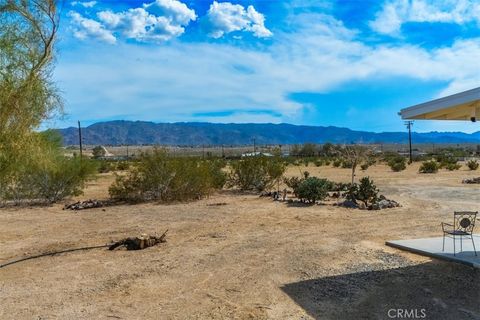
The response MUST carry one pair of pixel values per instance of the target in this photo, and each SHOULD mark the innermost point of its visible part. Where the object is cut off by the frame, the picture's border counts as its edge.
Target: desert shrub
(472, 165)
(161, 178)
(446, 161)
(294, 182)
(105, 166)
(318, 163)
(256, 173)
(337, 163)
(347, 164)
(364, 166)
(313, 189)
(123, 165)
(45, 175)
(397, 163)
(60, 179)
(365, 191)
(453, 166)
(327, 162)
(50, 180)
(430, 166)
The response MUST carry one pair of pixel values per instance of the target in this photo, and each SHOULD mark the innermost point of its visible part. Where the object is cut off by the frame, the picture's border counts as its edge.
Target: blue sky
(344, 63)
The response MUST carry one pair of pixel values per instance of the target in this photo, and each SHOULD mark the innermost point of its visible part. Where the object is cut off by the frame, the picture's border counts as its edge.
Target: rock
(347, 204)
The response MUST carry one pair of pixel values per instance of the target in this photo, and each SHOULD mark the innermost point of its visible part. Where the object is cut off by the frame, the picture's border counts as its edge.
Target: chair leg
(454, 245)
(443, 247)
(461, 243)
(473, 242)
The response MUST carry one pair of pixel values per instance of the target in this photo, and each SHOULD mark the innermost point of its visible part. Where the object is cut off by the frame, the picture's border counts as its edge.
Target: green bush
(337, 163)
(346, 164)
(313, 189)
(63, 178)
(430, 166)
(453, 166)
(294, 182)
(50, 181)
(105, 166)
(256, 173)
(161, 178)
(45, 175)
(472, 165)
(397, 163)
(318, 163)
(123, 165)
(365, 191)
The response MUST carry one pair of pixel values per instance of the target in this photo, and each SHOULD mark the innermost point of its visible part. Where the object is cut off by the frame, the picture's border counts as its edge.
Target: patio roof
(460, 106)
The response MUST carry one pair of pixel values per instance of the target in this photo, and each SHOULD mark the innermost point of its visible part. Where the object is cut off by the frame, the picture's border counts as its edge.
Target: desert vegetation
(158, 177)
(32, 167)
(256, 173)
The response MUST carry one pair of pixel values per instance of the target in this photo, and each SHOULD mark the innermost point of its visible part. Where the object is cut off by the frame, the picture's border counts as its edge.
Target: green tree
(27, 94)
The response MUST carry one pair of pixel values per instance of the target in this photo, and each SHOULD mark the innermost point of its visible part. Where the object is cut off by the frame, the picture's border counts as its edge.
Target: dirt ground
(239, 256)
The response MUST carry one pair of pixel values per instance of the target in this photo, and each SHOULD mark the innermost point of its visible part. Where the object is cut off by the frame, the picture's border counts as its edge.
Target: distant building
(255, 154)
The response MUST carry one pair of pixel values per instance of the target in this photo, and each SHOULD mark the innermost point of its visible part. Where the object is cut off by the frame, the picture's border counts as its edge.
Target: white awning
(460, 106)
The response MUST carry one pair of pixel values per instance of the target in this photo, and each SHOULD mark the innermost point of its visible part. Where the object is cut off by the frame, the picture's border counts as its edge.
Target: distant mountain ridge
(122, 132)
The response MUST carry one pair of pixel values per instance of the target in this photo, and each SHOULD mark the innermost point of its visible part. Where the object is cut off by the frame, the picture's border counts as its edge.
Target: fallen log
(139, 243)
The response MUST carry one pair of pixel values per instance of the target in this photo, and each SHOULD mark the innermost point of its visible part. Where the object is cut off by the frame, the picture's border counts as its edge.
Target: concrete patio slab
(432, 247)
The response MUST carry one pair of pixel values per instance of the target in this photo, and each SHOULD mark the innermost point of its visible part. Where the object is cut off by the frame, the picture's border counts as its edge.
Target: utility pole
(80, 139)
(409, 125)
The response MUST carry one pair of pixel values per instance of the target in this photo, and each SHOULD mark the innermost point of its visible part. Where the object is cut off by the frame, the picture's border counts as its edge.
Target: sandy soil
(251, 258)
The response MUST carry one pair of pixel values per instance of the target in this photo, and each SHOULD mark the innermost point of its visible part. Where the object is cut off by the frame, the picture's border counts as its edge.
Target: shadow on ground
(443, 290)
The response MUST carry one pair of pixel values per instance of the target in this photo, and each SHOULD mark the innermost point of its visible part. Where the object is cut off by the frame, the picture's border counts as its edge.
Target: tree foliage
(27, 94)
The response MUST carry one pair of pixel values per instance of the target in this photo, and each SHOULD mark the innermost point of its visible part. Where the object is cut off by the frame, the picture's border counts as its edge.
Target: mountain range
(200, 133)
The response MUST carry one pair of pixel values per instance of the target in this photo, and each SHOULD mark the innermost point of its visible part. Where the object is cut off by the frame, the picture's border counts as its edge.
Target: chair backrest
(464, 221)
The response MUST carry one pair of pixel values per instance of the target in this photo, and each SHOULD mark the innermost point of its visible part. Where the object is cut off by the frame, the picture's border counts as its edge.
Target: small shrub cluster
(158, 177)
(452, 166)
(294, 182)
(256, 173)
(105, 166)
(365, 191)
(472, 165)
(397, 163)
(430, 166)
(313, 189)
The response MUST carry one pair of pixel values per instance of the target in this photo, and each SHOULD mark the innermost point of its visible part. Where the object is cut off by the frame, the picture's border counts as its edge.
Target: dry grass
(250, 258)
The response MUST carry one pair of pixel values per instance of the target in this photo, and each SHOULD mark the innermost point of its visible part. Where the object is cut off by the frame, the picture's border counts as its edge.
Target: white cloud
(88, 28)
(89, 4)
(225, 17)
(157, 21)
(319, 54)
(395, 13)
(174, 10)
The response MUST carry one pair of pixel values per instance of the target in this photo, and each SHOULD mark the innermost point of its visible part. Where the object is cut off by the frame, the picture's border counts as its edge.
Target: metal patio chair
(463, 225)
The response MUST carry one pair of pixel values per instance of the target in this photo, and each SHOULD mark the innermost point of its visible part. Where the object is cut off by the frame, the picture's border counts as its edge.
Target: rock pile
(471, 180)
(87, 204)
(381, 203)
